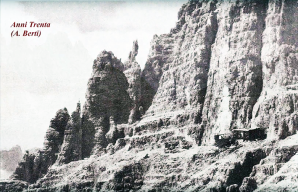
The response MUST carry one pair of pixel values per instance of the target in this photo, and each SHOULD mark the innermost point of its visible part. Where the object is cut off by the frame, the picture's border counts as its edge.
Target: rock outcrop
(106, 99)
(178, 65)
(35, 164)
(227, 72)
(71, 149)
(132, 71)
(273, 170)
(277, 107)
(235, 74)
(55, 135)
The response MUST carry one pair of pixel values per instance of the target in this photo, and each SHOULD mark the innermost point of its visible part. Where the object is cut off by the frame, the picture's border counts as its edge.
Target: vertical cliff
(54, 137)
(132, 71)
(178, 63)
(277, 107)
(218, 67)
(35, 164)
(71, 149)
(235, 75)
(106, 100)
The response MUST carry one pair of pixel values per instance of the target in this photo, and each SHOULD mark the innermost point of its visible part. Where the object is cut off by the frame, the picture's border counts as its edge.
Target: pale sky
(40, 75)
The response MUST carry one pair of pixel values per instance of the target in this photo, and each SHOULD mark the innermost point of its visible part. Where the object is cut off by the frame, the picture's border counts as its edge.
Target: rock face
(235, 74)
(277, 165)
(228, 70)
(178, 64)
(253, 95)
(25, 170)
(71, 149)
(107, 100)
(55, 135)
(35, 164)
(277, 105)
(132, 71)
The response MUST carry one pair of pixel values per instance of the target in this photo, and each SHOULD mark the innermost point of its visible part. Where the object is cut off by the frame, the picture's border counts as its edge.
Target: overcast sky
(40, 75)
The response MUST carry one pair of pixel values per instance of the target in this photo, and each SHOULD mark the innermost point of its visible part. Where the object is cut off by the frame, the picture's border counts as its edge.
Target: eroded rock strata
(132, 71)
(235, 74)
(71, 149)
(195, 118)
(36, 163)
(107, 103)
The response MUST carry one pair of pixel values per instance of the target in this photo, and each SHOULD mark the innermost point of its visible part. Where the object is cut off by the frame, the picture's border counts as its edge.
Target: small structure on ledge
(224, 140)
(250, 134)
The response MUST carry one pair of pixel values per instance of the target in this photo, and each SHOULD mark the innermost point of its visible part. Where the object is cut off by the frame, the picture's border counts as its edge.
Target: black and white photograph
(149, 96)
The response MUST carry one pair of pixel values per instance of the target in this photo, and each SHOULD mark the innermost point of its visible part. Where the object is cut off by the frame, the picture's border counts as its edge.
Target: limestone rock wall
(54, 137)
(35, 164)
(178, 63)
(277, 107)
(132, 71)
(160, 53)
(226, 65)
(106, 99)
(71, 149)
(235, 75)
(275, 165)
